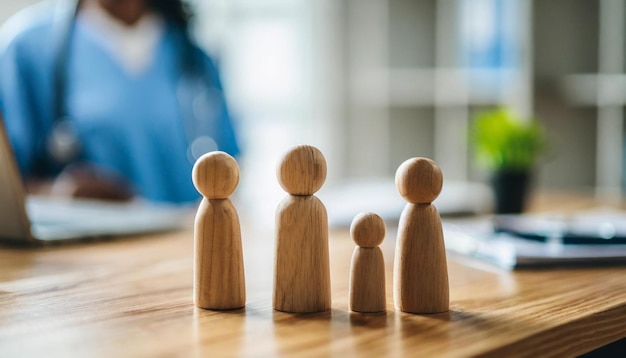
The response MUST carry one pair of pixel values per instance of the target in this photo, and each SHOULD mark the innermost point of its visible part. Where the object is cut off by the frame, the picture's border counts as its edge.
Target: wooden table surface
(134, 298)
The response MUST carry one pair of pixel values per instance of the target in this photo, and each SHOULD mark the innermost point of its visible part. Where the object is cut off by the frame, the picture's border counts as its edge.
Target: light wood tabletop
(133, 297)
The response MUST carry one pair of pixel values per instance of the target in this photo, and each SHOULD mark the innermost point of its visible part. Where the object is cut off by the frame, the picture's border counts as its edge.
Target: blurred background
(374, 82)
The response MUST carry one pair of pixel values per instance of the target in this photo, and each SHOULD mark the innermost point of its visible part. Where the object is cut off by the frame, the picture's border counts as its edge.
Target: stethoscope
(200, 104)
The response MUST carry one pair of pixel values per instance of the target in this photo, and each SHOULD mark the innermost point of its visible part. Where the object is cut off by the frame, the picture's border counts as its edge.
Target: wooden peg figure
(367, 269)
(219, 281)
(302, 269)
(420, 270)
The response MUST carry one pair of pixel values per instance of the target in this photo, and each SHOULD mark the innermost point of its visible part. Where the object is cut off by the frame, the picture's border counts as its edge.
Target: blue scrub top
(139, 125)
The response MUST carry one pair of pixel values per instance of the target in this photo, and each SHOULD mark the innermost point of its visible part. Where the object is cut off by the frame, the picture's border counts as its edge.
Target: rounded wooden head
(419, 180)
(302, 171)
(368, 230)
(216, 175)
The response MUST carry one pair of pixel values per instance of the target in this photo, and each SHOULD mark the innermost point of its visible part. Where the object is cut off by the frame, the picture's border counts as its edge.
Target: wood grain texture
(302, 270)
(419, 180)
(219, 280)
(367, 280)
(420, 271)
(216, 175)
(13, 219)
(134, 298)
(302, 170)
(368, 230)
(367, 268)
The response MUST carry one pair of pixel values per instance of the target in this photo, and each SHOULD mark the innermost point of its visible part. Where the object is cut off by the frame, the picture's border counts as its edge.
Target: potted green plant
(509, 146)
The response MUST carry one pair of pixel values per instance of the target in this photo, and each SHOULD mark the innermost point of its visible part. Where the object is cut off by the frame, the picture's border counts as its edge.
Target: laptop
(40, 220)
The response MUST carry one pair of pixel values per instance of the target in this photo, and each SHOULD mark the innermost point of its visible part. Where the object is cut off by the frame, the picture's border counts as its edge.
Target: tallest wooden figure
(302, 276)
(420, 270)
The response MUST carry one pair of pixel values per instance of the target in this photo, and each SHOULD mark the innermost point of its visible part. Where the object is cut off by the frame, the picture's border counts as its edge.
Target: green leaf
(503, 141)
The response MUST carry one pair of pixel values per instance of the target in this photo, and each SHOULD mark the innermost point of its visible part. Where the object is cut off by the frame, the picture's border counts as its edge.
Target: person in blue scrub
(111, 96)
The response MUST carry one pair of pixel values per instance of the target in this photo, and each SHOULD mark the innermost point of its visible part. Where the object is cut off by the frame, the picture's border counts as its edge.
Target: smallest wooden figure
(367, 270)
(219, 281)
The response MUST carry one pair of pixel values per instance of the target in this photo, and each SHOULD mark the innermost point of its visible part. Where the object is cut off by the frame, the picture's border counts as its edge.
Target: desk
(134, 297)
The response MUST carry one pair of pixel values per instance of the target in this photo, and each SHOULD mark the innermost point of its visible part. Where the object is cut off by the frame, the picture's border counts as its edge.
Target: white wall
(10, 7)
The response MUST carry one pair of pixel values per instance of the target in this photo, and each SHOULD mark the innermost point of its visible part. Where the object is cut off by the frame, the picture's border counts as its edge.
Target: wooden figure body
(302, 277)
(219, 281)
(367, 268)
(302, 269)
(420, 268)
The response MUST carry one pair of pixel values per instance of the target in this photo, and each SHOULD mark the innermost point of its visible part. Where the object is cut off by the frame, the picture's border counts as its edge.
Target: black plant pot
(511, 189)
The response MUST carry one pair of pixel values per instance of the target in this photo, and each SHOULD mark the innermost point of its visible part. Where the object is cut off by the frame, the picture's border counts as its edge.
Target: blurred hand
(92, 182)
